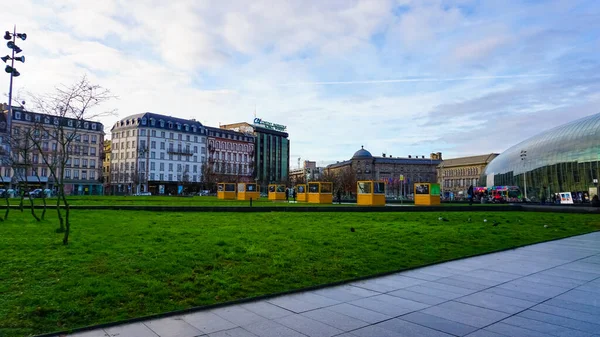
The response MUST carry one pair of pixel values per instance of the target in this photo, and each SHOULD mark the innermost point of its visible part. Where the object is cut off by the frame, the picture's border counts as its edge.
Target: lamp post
(523, 158)
(12, 39)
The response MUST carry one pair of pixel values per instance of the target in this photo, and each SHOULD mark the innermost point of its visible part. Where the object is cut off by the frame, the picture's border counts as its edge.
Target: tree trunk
(61, 229)
(33, 209)
(21, 201)
(7, 206)
(45, 205)
(67, 222)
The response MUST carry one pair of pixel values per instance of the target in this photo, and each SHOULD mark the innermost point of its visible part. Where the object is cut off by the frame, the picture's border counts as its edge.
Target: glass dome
(562, 159)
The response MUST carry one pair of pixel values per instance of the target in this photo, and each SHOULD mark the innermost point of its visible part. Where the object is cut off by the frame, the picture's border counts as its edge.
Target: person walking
(470, 192)
(339, 196)
(294, 195)
(287, 195)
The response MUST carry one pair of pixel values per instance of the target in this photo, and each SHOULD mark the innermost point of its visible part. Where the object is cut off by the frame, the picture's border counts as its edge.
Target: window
(195, 158)
(153, 145)
(170, 156)
(142, 166)
(153, 133)
(152, 155)
(162, 176)
(133, 144)
(178, 167)
(152, 166)
(162, 155)
(151, 176)
(93, 175)
(195, 168)
(170, 125)
(92, 151)
(128, 133)
(144, 123)
(162, 166)
(162, 145)
(195, 149)
(68, 174)
(170, 176)
(180, 136)
(76, 162)
(195, 138)
(142, 144)
(187, 138)
(93, 125)
(84, 163)
(94, 139)
(83, 174)
(143, 131)
(170, 167)
(44, 172)
(92, 163)
(86, 138)
(75, 174)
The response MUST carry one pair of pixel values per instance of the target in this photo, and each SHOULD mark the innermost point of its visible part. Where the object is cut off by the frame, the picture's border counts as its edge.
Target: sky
(399, 77)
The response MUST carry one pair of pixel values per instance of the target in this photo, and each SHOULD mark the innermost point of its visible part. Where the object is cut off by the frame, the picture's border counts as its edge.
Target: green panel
(434, 189)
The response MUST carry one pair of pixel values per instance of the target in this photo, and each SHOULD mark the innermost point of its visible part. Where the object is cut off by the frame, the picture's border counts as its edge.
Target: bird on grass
(545, 226)
(443, 219)
(495, 224)
(484, 220)
(469, 219)
(352, 229)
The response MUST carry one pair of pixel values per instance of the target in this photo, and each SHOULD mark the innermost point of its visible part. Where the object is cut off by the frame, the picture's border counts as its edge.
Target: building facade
(271, 150)
(562, 159)
(457, 174)
(83, 169)
(158, 154)
(106, 165)
(400, 174)
(230, 155)
(308, 172)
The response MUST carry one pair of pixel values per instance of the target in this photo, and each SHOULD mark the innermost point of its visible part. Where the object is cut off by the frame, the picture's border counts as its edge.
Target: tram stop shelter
(320, 192)
(427, 194)
(301, 194)
(370, 193)
(247, 191)
(226, 191)
(277, 192)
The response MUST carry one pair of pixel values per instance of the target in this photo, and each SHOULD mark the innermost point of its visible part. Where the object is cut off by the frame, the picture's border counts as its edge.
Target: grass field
(121, 265)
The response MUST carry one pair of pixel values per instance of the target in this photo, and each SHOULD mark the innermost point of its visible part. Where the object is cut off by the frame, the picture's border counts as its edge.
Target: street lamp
(12, 39)
(523, 158)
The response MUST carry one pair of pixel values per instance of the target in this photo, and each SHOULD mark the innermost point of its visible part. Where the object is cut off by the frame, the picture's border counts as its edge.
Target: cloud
(401, 77)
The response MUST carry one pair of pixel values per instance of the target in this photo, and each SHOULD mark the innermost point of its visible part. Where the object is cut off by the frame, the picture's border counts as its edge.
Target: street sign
(402, 177)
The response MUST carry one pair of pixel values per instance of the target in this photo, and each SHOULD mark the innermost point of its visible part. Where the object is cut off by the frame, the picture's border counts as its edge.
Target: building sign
(269, 125)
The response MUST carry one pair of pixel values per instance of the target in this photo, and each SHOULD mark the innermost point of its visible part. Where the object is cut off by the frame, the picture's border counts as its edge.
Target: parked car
(37, 193)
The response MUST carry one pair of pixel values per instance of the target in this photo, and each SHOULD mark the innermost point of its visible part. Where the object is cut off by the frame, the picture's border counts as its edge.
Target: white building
(158, 154)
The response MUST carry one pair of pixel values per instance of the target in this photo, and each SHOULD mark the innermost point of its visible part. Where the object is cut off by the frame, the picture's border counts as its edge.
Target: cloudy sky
(397, 76)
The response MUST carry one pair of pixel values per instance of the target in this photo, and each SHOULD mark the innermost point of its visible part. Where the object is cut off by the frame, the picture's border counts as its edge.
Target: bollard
(250, 202)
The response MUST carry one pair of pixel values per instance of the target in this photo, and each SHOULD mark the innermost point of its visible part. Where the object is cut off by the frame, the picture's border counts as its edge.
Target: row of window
(154, 133)
(230, 156)
(84, 174)
(464, 183)
(469, 171)
(54, 120)
(125, 177)
(142, 167)
(163, 156)
(232, 147)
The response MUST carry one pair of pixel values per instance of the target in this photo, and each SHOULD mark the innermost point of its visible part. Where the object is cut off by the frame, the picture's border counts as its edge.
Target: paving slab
(237, 315)
(266, 309)
(409, 329)
(438, 323)
(268, 328)
(346, 293)
(172, 327)
(417, 297)
(501, 303)
(308, 326)
(560, 320)
(363, 314)
(544, 327)
(130, 330)
(581, 316)
(237, 332)
(335, 319)
(208, 322)
(466, 314)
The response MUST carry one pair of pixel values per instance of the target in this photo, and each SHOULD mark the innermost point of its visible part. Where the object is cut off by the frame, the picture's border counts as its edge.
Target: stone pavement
(547, 289)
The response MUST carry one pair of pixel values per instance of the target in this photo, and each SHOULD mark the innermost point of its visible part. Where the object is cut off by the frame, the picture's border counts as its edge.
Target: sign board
(269, 125)
(402, 177)
(422, 189)
(566, 198)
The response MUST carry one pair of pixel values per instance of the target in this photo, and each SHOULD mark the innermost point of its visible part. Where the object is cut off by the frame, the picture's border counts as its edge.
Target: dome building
(399, 173)
(562, 159)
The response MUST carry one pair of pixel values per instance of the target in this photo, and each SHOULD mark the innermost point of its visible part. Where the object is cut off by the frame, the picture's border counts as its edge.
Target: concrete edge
(289, 292)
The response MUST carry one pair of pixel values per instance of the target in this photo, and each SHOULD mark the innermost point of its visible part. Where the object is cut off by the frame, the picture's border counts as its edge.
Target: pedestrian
(470, 191)
(339, 196)
(287, 195)
(294, 194)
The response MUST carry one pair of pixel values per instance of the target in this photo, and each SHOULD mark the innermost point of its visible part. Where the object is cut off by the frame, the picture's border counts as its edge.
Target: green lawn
(124, 264)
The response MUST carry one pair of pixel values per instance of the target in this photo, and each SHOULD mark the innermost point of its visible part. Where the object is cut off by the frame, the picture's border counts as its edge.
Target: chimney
(423, 157)
(383, 155)
(409, 156)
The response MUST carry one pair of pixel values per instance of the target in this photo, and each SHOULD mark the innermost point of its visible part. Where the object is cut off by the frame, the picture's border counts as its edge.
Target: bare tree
(21, 159)
(68, 109)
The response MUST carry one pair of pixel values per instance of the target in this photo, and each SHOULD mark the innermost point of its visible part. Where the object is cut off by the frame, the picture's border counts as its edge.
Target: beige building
(106, 164)
(83, 171)
(457, 174)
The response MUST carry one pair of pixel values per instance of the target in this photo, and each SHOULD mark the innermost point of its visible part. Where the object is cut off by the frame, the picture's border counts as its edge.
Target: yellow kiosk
(370, 193)
(427, 194)
(247, 191)
(301, 193)
(320, 193)
(276, 192)
(226, 191)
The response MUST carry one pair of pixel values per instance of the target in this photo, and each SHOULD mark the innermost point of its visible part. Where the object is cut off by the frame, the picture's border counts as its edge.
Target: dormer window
(70, 123)
(46, 120)
(86, 125)
(37, 118)
(152, 121)
(27, 117)
(93, 126)
(143, 121)
(162, 123)
(17, 115)
(178, 126)
(187, 127)
(55, 121)
(170, 125)
(193, 129)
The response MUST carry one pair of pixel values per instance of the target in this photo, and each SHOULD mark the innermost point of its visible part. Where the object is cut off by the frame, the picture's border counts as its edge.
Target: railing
(182, 152)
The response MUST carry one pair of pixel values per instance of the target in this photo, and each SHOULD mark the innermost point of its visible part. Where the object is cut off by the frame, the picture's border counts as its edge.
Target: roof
(362, 154)
(146, 118)
(472, 160)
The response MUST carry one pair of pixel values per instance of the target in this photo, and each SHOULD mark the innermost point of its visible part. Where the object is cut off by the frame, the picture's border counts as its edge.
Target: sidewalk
(547, 289)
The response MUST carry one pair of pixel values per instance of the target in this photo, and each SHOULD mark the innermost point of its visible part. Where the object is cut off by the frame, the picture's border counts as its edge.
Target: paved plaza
(547, 289)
